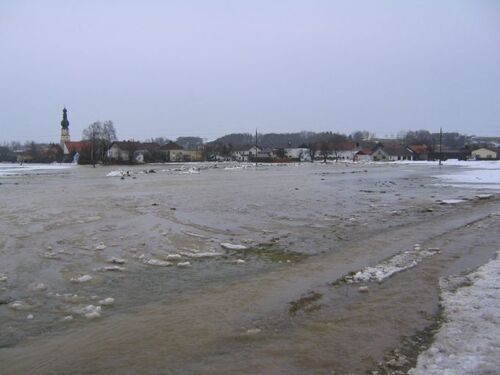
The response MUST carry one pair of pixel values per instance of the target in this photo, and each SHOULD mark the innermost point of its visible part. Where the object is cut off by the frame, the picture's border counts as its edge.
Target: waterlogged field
(232, 268)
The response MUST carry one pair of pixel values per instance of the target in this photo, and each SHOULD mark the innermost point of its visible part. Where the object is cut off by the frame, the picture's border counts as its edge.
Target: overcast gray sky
(207, 68)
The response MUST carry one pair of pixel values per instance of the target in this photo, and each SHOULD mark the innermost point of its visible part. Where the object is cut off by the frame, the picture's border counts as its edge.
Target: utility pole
(440, 146)
(92, 148)
(256, 151)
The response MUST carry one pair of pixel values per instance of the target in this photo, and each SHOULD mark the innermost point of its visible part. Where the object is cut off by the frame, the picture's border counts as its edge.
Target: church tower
(64, 128)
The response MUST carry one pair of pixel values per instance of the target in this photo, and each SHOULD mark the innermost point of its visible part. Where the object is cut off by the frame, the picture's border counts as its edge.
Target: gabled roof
(418, 149)
(76, 146)
(171, 146)
(337, 146)
(150, 146)
(395, 149)
(243, 148)
(365, 151)
(485, 148)
(125, 144)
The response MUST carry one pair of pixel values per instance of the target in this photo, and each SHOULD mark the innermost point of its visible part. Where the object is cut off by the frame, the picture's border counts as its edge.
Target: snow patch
(107, 301)
(201, 254)
(389, 267)
(154, 262)
(117, 173)
(451, 201)
(21, 306)
(231, 246)
(469, 341)
(81, 279)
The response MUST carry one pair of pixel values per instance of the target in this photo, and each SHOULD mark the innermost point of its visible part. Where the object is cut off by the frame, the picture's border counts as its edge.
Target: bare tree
(324, 150)
(312, 151)
(100, 136)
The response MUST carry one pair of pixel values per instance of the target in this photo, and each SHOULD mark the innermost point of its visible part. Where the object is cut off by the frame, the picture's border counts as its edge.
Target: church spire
(65, 122)
(64, 128)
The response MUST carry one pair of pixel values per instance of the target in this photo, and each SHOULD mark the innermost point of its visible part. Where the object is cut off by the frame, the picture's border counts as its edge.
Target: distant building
(484, 154)
(364, 155)
(298, 154)
(64, 128)
(133, 152)
(420, 152)
(245, 153)
(391, 152)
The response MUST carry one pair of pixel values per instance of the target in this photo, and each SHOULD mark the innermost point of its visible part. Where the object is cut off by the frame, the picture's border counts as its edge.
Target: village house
(345, 151)
(176, 153)
(122, 151)
(245, 153)
(484, 154)
(265, 156)
(73, 147)
(391, 152)
(297, 154)
(363, 155)
(447, 154)
(420, 152)
(131, 151)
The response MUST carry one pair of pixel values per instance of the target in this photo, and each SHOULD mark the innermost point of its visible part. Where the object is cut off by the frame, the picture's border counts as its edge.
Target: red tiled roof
(76, 146)
(419, 149)
(365, 151)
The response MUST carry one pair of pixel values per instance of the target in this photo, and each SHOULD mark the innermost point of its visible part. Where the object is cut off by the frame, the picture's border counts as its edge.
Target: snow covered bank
(469, 340)
(11, 169)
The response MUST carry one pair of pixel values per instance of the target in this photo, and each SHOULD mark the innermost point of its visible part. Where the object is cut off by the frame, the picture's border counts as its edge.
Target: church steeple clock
(64, 128)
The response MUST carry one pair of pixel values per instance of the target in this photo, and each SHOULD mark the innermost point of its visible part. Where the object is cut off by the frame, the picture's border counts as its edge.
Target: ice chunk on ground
(184, 264)
(451, 201)
(389, 267)
(469, 340)
(117, 173)
(81, 279)
(154, 262)
(240, 261)
(484, 196)
(174, 256)
(202, 254)
(21, 306)
(91, 312)
(113, 268)
(67, 318)
(100, 246)
(30, 317)
(231, 246)
(3, 277)
(107, 301)
(37, 287)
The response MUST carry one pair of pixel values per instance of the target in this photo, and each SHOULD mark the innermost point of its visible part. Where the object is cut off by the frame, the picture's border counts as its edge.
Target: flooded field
(224, 269)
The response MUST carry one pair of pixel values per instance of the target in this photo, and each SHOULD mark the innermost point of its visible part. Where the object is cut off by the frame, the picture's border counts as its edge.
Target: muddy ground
(277, 307)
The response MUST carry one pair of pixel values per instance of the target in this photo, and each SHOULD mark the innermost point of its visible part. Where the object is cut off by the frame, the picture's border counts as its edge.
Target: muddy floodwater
(231, 269)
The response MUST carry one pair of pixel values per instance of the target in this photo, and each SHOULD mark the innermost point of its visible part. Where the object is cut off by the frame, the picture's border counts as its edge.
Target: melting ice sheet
(475, 174)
